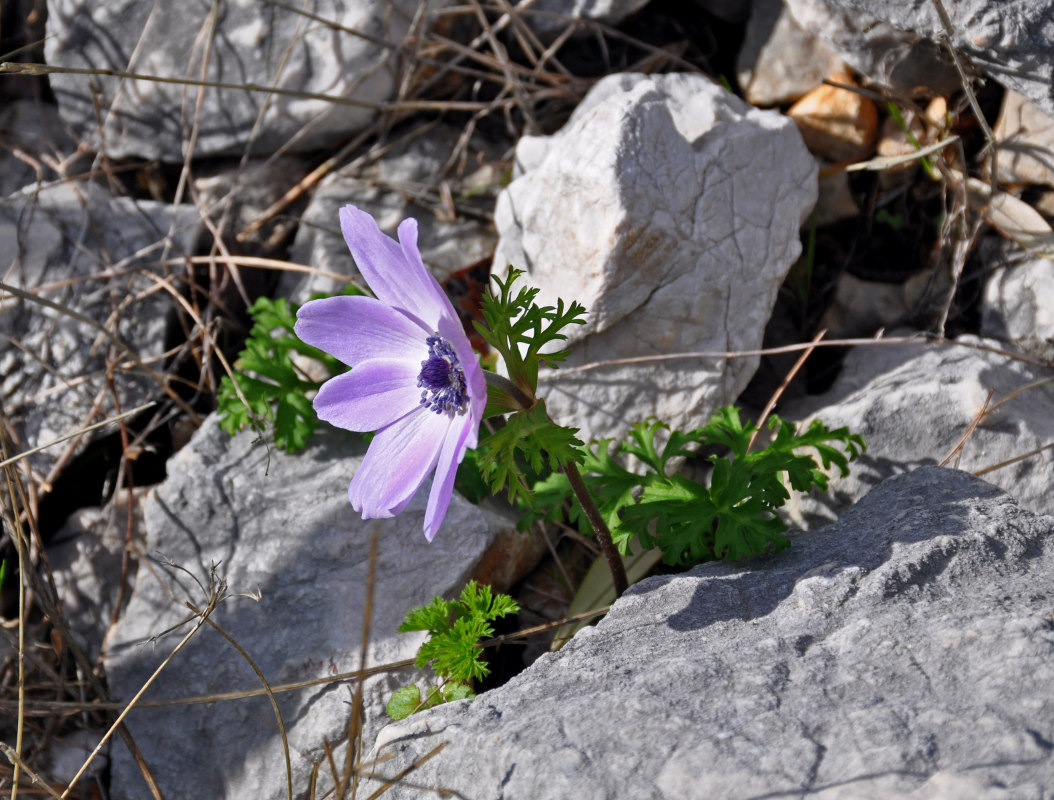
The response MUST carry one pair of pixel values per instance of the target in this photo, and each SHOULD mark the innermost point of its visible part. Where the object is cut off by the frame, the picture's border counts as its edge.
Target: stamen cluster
(442, 378)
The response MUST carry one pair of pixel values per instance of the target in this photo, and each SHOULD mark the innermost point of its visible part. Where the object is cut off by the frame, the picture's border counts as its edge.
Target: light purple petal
(454, 332)
(399, 459)
(394, 271)
(355, 329)
(408, 242)
(446, 469)
(374, 394)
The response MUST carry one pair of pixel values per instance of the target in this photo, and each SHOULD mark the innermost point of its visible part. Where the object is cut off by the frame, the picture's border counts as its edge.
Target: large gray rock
(670, 209)
(281, 526)
(904, 652)
(391, 189)
(253, 43)
(894, 42)
(99, 256)
(913, 405)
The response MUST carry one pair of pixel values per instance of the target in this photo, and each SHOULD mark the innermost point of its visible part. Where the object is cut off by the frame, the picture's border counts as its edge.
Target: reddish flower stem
(578, 486)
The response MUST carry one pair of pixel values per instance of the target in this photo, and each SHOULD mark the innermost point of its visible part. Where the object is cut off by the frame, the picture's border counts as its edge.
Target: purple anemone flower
(414, 377)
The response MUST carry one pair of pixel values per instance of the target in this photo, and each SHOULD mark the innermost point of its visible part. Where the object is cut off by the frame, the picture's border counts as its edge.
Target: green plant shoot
(455, 628)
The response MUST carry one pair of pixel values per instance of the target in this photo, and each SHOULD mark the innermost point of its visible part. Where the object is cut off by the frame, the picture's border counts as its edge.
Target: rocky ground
(710, 179)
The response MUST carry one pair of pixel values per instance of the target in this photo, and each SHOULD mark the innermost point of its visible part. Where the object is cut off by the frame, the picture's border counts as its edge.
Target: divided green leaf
(267, 385)
(733, 517)
(455, 628)
(518, 329)
(528, 442)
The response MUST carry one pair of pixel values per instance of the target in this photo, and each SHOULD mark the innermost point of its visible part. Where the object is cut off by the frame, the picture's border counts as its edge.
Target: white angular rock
(281, 526)
(79, 247)
(1026, 142)
(1018, 304)
(670, 209)
(904, 652)
(779, 62)
(385, 189)
(894, 42)
(913, 404)
(253, 43)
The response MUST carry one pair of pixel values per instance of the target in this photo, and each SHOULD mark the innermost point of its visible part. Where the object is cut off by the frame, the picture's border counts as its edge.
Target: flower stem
(503, 395)
(578, 486)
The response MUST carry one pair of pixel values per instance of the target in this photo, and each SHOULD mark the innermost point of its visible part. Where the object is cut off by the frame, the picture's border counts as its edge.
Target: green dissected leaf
(518, 329)
(726, 428)
(274, 390)
(732, 517)
(455, 629)
(683, 513)
(529, 439)
(433, 617)
(610, 484)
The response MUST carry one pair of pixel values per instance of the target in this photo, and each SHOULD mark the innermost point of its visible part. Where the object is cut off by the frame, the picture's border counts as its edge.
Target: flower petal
(372, 395)
(453, 331)
(450, 456)
(399, 459)
(355, 329)
(394, 270)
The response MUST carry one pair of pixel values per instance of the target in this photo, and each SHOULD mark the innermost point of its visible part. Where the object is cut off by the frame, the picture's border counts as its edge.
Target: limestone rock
(1018, 304)
(859, 307)
(904, 652)
(281, 526)
(99, 256)
(670, 209)
(253, 43)
(1026, 142)
(779, 62)
(913, 404)
(835, 201)
(237, 197)
(895, 42)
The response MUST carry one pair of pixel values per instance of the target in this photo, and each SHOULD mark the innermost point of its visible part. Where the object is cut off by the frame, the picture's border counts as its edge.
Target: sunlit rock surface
(670, 210)
(906, 651)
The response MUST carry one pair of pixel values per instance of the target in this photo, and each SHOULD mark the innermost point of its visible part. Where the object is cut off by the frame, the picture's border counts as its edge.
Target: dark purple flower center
(442, 379)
